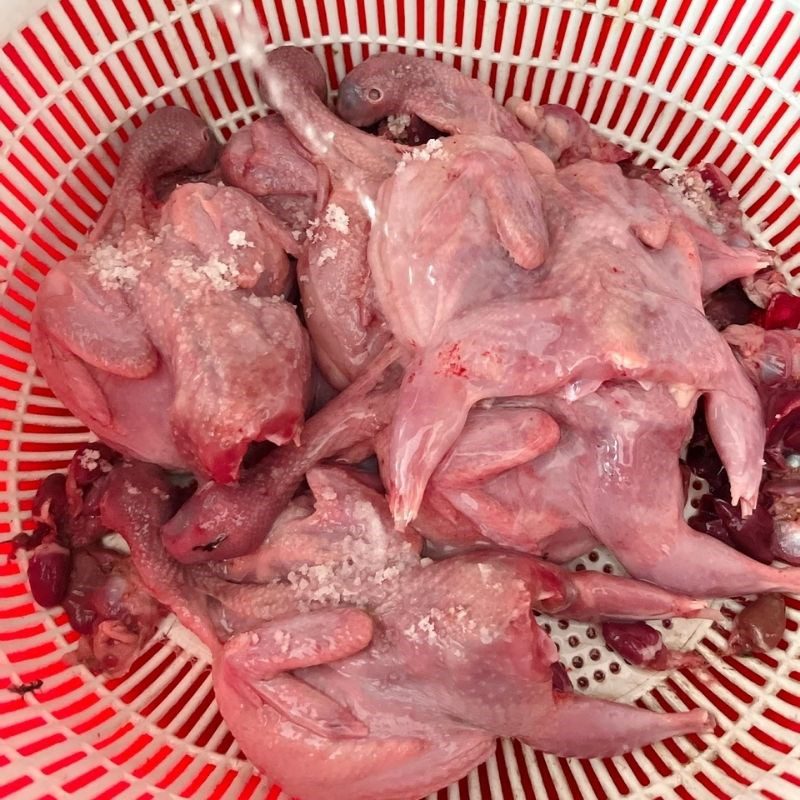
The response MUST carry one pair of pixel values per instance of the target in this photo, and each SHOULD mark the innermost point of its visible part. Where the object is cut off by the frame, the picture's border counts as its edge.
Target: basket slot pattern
(75, 82)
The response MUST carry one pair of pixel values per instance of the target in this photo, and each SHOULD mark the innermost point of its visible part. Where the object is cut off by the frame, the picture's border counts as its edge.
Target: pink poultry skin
(513, 318)
(168, 333)
(566, 325)
(265, 160)
(355, 653)
(392, 84)
(344, 321)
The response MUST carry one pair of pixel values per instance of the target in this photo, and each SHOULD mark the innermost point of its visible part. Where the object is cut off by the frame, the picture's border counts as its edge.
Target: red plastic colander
(677, 81)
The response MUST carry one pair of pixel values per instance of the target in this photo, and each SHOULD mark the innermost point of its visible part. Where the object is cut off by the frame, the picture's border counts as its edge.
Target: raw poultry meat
(177, 305)
(170, 143)
(613, 475)
(483, 491)
(452, 234)
(212, 301)
(265, 160)
(100, 590)
(86, 337)
(567, 328)
(771, 357)
(392, 84)
(772, 360)
(343, 319)
(389, 678)
(108, 600)
(514, 318)
(701, 200)
(222, 522)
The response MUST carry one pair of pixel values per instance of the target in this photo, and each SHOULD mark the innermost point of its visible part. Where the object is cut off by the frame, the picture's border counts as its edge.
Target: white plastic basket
(677, 81)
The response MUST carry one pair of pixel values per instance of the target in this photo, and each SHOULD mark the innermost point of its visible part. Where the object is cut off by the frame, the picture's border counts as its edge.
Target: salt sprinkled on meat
(238, 239)
(390, 573)
(427, 627)
(111, 268)
(398, 124)
(312, 232)
(220, 274)
(433, 149)
(411, 632)
(327, 254)
(423, 628)
(89, 459)
(336, 218)
(689, 186)
(283, 640)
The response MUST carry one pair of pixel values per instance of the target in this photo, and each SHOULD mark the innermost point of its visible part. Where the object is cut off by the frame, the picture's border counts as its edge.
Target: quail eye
(374, 95)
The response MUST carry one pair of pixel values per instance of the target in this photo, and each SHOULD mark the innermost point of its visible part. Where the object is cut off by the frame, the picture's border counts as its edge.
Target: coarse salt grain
(336, 218)
(221, 275)
(238, 239)
(111, 269)
(690, 187)
(327, 254)
(312, 231)
(432, 149)
(398, 124)
(89, 459)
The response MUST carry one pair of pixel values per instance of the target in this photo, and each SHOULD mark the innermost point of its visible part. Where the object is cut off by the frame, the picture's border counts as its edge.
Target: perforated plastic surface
(679, 82)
